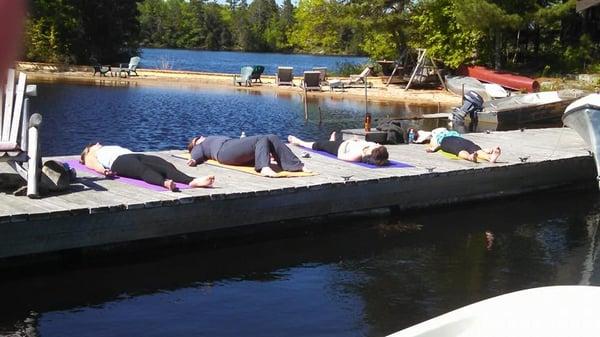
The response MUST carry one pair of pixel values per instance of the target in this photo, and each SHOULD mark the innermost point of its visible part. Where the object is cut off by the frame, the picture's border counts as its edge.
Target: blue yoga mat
(392, 163)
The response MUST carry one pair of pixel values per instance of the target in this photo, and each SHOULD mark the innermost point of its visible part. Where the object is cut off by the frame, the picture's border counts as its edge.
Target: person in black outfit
(247, 151)
(110, 160)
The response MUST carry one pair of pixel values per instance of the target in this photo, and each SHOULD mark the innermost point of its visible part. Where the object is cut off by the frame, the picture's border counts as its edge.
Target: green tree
(434, 26)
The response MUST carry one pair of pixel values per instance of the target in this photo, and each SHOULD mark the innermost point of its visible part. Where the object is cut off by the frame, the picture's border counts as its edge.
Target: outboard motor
(472, 105)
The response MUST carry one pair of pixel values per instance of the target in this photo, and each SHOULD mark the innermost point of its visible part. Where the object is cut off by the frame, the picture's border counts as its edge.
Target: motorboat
(521, 109)
(583, 116)
(463, 84)
(544, 311)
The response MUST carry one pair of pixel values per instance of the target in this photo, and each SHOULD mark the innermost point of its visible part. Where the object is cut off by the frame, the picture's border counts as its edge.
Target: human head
(379, 156)
(91, 147)
(194, 141)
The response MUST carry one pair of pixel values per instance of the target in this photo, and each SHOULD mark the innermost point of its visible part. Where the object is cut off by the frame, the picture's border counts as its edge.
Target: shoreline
(49, 73)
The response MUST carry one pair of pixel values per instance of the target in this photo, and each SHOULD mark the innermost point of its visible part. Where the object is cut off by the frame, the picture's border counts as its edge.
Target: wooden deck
(102, 211)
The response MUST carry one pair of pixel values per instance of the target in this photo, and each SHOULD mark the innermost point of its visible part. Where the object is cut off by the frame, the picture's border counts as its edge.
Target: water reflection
(353, 277)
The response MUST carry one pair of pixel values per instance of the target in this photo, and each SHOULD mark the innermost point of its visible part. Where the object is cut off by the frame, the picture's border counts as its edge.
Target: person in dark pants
(453, 142)
(247, 151)
(110, 160)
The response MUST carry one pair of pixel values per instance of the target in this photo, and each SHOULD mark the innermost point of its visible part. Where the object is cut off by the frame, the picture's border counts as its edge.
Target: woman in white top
(154, 170)
(349, 150)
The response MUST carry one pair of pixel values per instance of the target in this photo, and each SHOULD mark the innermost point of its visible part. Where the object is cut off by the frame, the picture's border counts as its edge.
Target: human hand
(191, 162)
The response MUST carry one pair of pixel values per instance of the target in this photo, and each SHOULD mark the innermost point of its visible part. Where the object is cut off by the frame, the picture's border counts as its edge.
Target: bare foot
(332, 136)
(473, 157)
(170, 185)
(293, 140)
(206, 181)
(495, 154)
(268, 172)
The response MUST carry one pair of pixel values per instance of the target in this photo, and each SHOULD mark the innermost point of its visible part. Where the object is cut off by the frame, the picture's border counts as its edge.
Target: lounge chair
(323, 71)
(311, 80)
(98, 68)
(285, 76)
(245, 77)
(19, 132)
(256, 72)
(130, 68)
(360, 79)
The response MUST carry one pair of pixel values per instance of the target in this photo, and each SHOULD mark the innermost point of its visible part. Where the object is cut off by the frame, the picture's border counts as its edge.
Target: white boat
(583, 116)
(538, 312)
(456, 84)
(495, 90)
(517, 110)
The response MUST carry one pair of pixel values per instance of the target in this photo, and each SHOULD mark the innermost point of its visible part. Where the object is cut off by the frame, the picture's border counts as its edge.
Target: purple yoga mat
(134, 182)
(392, 163)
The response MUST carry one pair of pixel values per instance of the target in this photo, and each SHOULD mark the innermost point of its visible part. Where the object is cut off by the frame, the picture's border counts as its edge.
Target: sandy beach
(44, 72)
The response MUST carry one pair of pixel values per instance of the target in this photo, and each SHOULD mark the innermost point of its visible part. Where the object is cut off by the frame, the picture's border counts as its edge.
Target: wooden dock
(102, 212)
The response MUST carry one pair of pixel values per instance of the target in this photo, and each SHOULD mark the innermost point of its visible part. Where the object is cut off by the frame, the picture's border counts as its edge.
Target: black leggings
(455, 144)
(328, 146)
(151, 169)
(257, 151)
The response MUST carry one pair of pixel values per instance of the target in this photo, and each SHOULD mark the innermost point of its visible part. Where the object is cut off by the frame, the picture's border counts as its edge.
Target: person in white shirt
(110, 160)
(349, 150)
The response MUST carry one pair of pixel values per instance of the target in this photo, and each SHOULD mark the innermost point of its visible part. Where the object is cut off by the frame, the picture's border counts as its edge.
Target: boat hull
(505, 79)
(546, 311)
(585, 120)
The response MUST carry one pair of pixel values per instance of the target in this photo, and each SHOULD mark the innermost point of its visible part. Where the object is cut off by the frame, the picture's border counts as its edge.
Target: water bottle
(243, 134)
(411, 135)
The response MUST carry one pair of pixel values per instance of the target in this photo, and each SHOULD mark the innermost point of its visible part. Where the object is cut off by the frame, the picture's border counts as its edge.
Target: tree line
(538, 35)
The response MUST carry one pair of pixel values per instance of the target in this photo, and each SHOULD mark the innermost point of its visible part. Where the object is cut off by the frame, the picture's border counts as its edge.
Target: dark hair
(85, 151)
(192, 143)
(379, 156)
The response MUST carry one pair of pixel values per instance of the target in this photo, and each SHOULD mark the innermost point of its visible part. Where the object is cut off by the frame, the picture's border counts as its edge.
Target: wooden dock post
(305, 103)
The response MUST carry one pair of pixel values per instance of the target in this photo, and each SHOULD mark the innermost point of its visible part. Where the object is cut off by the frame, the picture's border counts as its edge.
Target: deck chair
(245, 77)
(19, 141)
(256, 73)
(130, 68)
(360, 79)
(311, 80)
(323, 71)
(285, 76)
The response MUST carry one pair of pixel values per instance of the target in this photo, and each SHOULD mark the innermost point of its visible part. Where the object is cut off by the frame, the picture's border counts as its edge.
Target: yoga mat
(392, 163)
(250, 169)
(130, 181)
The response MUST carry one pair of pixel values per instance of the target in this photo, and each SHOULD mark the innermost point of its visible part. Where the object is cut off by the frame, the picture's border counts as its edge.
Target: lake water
(231, 62)
(347, 277)
(158, 118)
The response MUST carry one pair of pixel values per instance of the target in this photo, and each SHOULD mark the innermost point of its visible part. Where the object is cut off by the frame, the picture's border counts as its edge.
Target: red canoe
(503, 78)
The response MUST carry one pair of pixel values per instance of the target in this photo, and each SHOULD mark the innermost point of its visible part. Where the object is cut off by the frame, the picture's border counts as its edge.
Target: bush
(348, 68)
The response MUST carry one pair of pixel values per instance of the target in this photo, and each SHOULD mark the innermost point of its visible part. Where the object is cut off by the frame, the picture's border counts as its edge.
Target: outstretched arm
(92, 162)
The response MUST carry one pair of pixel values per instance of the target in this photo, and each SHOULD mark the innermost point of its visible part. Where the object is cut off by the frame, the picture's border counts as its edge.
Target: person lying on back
(452, 142)
(247, 151)
(110, 160)
(354, 149)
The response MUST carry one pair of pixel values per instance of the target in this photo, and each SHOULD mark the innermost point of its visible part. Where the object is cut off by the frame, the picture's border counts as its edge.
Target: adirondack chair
(285, 76)
(130, 68)
(103, 70)
(19, 132)
(311, 80)
(245, 77)
(323, 71)
(256, 73)
(360, 79)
